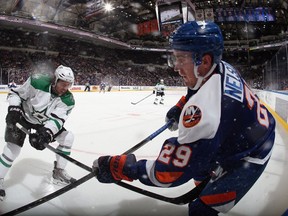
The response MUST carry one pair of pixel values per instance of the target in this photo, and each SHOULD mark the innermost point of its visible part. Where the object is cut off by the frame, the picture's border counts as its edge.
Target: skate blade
(59, 182)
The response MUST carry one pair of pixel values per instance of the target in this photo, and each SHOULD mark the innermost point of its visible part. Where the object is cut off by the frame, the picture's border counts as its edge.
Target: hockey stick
(149, 138)
(181, 200)
(134, 103)
(89, 169)
(83, 179)
(50, 196)
(58, 151)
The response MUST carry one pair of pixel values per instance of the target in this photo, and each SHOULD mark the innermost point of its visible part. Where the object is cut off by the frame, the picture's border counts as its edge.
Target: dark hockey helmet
(200, 38)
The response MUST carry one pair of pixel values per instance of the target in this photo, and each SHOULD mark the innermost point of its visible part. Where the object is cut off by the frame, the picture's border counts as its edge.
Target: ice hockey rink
(108, 124)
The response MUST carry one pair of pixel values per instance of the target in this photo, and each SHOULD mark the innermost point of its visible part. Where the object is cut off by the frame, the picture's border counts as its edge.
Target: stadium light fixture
(108, 7)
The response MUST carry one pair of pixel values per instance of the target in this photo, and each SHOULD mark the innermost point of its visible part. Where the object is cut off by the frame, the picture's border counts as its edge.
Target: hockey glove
(111, 169)
(174, 113)
(42, 137)
(14, 115)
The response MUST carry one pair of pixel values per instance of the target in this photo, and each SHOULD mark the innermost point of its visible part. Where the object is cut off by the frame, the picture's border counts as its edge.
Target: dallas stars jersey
(221, 123)
(159, 87)
(40, 105)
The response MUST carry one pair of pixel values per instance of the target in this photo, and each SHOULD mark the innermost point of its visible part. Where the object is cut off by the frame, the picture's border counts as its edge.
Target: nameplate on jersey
(233, 86)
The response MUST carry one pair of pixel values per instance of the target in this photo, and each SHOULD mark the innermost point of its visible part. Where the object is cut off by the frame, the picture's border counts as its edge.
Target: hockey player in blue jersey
(223, 129)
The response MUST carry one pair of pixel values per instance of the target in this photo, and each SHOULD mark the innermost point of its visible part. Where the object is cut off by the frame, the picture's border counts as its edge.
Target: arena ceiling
(118, 23)
(121, 22)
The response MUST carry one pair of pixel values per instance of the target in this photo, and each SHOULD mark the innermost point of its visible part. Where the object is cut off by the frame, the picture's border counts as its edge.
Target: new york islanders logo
(192, 116)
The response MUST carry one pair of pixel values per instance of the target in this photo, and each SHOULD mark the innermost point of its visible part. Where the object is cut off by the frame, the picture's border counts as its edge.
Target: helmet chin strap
(201, 78)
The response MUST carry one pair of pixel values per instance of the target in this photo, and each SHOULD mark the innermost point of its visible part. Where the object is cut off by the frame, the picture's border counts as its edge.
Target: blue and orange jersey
(221, 123)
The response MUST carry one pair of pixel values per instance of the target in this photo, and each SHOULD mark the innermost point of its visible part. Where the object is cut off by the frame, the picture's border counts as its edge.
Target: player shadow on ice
(148, 206)
(132, 207)
(34, 175)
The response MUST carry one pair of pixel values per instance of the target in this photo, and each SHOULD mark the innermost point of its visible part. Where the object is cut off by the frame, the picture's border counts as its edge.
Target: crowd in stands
(26, 52)
(18, 65)
(30, 52)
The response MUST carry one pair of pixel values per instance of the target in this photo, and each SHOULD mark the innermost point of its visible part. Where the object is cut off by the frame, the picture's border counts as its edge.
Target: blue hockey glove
(174, 113)
(111, 169)
(42, 137)
(14, 115)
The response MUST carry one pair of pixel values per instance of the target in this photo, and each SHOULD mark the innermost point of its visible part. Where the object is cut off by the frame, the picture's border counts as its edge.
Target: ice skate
(2, 191)
(61, 177)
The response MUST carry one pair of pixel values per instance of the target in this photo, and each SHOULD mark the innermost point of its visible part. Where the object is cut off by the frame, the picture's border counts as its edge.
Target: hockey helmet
(200, 38)
(65, 74)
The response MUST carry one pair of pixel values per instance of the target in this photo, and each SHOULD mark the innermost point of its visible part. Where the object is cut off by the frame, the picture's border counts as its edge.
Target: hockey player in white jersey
(42, 103)
(159, 91)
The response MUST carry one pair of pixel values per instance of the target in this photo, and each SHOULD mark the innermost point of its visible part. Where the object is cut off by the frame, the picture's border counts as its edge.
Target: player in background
(223, 129)
(102, 87)
(42, 103)
(87, 86)
(159, 90)
(109, 87)
(11, 85)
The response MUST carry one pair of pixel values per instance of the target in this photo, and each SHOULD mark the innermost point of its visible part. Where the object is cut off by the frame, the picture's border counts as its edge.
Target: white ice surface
(108, 124)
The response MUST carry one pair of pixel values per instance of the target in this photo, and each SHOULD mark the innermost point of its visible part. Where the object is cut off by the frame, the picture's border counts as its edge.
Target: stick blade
(133, 103)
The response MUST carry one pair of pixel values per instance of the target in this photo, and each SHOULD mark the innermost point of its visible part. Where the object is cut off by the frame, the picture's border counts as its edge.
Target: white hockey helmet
(162, 81)
(65, 74)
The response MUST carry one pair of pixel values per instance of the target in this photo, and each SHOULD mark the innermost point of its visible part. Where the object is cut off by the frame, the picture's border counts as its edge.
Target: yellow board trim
(277, 117)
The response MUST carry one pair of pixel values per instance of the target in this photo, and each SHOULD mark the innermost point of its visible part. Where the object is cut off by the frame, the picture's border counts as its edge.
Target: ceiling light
(108, 7)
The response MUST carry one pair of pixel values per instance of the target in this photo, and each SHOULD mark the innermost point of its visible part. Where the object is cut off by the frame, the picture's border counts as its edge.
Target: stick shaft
(88, 176)
(149, 138)
(50, 196)
(89, 169)
(134, 103)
